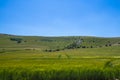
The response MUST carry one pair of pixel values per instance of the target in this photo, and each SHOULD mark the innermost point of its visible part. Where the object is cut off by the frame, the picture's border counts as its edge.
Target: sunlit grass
(74, 64)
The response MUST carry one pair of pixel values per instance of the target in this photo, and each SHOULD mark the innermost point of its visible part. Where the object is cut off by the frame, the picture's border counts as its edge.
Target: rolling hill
(69, 42)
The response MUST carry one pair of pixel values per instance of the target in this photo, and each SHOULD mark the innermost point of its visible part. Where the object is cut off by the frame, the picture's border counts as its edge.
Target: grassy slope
(11, 50)
(68, 58)
(53, 42)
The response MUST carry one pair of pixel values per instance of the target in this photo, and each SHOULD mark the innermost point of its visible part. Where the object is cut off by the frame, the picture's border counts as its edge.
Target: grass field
(19, 62)
(74, 64)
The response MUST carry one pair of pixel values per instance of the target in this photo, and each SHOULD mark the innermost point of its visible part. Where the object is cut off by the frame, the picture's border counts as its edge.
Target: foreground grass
(77, 64)
(63, 74)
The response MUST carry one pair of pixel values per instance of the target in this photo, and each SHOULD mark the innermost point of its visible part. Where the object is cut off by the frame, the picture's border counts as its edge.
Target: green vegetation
(70, 58)
(67, 74)
(11, 41)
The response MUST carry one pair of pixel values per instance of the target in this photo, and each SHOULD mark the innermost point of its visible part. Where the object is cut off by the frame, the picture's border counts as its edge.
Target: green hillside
(13, 41)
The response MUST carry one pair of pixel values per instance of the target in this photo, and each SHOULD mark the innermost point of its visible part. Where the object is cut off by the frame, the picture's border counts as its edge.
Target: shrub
(91, 46)
(110, 44)
(106, 45)
(18, 40)
(83, 46)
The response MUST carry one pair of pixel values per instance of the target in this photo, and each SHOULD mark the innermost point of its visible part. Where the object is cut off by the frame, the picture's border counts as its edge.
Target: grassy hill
(13, 41)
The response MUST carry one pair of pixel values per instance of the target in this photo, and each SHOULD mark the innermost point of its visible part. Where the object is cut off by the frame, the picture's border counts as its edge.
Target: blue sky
(60, 17)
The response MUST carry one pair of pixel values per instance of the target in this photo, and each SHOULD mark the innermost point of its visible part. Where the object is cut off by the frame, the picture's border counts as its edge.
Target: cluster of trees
(72, 46)
(108, 45)
(52, 50)
(77, 44)
(18, 40)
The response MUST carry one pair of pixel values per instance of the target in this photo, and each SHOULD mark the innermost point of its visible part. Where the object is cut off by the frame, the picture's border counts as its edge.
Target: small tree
(19, 41)
(106, 45)
(83, 46)
(91, 46)
(110, 44)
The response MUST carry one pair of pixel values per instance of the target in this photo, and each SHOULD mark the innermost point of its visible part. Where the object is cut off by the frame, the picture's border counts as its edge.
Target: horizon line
(62, 35)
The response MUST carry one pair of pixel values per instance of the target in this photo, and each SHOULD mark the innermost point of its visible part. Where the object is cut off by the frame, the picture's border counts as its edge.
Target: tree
(110, 44)
(18, 40)
(106, 45)
(83, 46)
(75, 44)
(91, 46)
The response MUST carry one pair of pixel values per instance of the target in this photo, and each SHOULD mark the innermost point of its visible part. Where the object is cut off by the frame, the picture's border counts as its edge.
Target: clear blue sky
(60, 17)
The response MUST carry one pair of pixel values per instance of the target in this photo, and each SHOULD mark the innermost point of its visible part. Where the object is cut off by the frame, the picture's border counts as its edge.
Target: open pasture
(75, 64)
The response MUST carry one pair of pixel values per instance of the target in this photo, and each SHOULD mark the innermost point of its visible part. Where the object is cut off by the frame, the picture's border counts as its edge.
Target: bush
(73, 46)
(91, 46)
(110, 44)
(18, 40)
(83, 46)
(106, 45)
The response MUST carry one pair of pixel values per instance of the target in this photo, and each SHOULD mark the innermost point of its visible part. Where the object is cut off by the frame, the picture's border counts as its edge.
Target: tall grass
(62, 74)
(77, 64)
